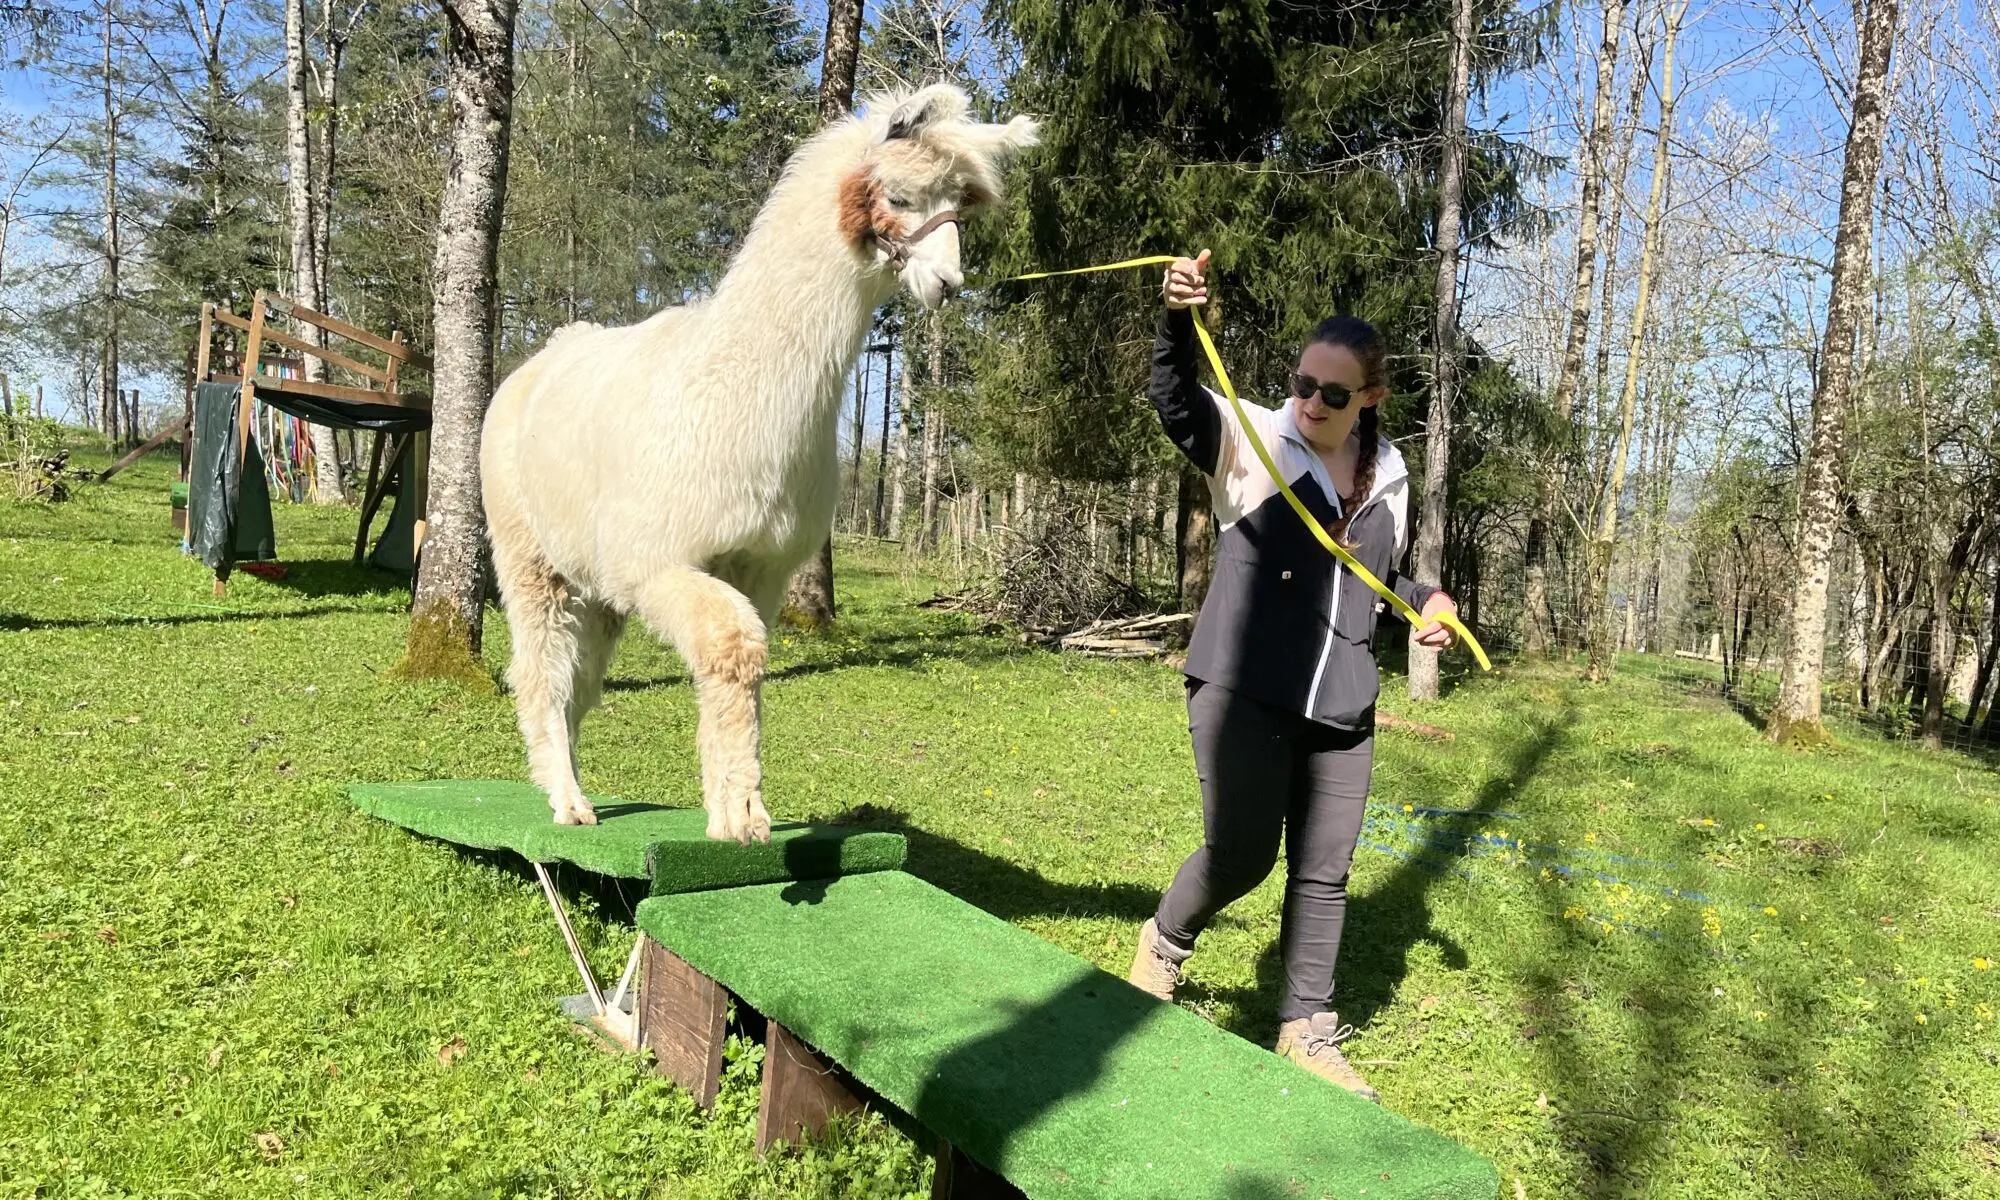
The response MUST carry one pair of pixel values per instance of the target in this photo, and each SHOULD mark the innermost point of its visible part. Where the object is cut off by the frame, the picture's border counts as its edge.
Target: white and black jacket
(1284, 621)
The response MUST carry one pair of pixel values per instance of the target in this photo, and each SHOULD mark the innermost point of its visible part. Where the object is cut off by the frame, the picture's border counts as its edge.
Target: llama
(683, 468)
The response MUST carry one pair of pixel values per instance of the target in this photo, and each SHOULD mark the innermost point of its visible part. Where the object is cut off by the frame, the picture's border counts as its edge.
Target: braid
(1364, 473)
(1365, 342)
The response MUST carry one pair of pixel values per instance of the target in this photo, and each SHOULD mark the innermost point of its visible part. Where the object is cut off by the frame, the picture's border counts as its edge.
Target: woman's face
(1327, 428)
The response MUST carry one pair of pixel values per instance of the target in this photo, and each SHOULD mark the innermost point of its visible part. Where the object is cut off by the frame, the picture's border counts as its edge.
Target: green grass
(203, 944)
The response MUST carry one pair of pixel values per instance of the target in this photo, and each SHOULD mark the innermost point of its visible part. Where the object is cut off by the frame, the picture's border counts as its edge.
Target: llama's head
(927, 167)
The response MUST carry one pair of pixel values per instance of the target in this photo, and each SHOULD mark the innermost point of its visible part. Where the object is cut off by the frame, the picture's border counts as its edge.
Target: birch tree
(1604, 541)
(1796, 719)
(1591, 167)
(448, 608)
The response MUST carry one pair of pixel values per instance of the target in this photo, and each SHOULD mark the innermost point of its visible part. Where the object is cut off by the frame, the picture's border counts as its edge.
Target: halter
(898, 248)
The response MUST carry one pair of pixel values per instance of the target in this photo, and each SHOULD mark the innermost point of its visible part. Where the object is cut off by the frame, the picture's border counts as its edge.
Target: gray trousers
(1265, 772)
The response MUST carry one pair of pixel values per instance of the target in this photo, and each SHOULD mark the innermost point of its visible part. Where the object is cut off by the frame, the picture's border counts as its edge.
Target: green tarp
(229, 507)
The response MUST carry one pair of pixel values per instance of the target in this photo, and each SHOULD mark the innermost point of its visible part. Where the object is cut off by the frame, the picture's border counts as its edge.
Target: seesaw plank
(1063, 1078)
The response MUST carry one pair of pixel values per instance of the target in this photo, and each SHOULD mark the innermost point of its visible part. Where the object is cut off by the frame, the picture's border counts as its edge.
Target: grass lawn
(1606, 937)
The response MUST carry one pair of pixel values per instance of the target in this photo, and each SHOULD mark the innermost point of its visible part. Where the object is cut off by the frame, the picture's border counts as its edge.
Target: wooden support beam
(801, 1091)
(959, 1177)
(394, 348)
(332, 356)
(334, 391)
(246, 397)
(207, 336)
(681, 1015)
(153, 443)
(370, 497)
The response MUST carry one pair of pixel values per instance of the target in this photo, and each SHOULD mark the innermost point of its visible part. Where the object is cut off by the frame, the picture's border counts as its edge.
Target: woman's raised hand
(1186, 283)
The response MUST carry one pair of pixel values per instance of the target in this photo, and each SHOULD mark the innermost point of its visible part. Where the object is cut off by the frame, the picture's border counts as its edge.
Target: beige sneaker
(1313, 1043)
(1155, 970)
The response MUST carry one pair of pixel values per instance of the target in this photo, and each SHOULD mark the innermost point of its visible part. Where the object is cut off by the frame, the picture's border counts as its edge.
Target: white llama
(684, 467)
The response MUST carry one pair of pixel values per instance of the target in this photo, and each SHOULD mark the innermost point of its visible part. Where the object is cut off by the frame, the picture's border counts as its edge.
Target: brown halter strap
(899, 247)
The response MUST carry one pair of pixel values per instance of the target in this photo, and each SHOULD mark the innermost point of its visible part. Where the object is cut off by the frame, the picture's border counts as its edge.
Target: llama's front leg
(718, 632)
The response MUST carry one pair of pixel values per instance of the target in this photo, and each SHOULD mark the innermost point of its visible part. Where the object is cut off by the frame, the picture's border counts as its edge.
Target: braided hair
(1365, 343)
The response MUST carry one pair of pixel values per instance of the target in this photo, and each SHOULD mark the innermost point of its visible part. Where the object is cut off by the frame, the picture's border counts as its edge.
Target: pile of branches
(1050, 585)
(34, 460)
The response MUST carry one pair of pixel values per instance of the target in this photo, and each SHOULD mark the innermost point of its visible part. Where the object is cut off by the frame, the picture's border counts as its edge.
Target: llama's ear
(999, 143)
(939, 102)
(1016, 135)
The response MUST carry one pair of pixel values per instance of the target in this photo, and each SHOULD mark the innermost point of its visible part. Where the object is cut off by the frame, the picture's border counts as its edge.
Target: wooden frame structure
(680, 1017)
(383, 385)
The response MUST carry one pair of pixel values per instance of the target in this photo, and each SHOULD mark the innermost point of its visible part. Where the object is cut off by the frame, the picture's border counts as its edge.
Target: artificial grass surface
(1066, 1079)
(670, 846)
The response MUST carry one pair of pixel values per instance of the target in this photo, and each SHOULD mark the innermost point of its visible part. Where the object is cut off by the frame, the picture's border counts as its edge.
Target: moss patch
(440, 647)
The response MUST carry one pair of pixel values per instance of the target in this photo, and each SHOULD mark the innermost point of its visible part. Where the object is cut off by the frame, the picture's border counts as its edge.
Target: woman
(1281, 672)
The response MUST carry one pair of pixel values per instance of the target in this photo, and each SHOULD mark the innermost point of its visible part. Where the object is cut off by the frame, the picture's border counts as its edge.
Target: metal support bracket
(614, 1018)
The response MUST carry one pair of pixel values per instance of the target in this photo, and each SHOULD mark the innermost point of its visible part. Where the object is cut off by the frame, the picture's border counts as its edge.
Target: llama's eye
(899, 202)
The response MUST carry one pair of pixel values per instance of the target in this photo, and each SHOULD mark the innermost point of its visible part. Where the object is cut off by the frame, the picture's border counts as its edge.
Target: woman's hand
(1185, 285)
(1435, 633)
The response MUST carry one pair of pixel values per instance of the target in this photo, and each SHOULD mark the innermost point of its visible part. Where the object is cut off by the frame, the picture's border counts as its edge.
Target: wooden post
(958, 1177)
(369, 498)
(681, 1015)
(202, 347)
(801, 1091)
(247, 397)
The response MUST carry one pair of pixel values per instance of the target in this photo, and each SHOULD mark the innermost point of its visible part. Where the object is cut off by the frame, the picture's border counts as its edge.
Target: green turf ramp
(670, 846)
(1066, 1079)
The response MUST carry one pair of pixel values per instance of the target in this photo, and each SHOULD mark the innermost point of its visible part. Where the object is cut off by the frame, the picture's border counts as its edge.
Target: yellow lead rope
(1319, 532)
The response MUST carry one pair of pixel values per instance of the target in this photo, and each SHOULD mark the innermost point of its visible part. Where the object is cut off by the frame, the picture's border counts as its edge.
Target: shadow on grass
(318, 578)
(1005, 889)
(892, 650)
(1385, 923)
(1634, 1038)
(20, 623)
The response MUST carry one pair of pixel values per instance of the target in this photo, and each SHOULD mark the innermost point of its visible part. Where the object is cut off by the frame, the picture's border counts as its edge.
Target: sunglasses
(1333, 395)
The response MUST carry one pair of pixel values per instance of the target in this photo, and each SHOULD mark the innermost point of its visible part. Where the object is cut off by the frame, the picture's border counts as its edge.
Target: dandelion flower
(987, 792)
(1409, 808)
(1769, 911)
(1982, 963)
(1760, 825)
(1591, 838)
(1922, 1019)
(1762, 1015)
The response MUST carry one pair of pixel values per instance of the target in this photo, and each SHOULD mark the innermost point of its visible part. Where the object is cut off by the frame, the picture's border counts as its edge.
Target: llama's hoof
(719, 830)
(578, 812)
(756, 826)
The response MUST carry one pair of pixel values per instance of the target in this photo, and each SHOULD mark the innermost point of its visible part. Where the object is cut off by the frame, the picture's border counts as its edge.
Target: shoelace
(1314, 1041)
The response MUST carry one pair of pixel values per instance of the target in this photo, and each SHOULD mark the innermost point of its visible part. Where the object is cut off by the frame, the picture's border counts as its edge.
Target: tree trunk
(1796, 718)
(899, 486)
(1194, 539)
(809, 600)
(837, 62)
(108, 366)
(305, 238)
(1429, 564)
(1536, 634)
(446, 621)
(933, 439)
(1983, 679)
(878, 516)
(1597, 609)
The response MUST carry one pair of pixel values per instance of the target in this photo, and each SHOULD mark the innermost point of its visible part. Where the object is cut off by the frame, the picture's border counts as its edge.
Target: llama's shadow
(962, 646)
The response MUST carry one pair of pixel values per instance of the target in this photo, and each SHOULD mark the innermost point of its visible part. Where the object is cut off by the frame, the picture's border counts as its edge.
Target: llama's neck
(804, 295)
